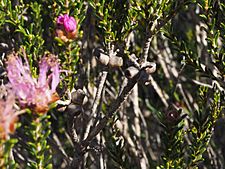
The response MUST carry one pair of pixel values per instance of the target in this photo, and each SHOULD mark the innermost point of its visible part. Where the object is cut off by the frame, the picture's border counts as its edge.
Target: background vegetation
(172, 118)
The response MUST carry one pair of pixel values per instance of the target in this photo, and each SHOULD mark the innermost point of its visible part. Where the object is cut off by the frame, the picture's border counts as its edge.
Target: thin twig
(56, 145)
(184, 97)
(163, 96)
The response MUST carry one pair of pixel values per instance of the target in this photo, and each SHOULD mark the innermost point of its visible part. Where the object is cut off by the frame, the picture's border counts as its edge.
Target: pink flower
(66, 27)
(34, 93)
(8, 116)
(68, 22)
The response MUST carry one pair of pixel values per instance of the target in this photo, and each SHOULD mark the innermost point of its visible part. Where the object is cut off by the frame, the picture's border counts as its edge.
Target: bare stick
(137, 125)
(99, 91)
(163, 96)
(96, 101)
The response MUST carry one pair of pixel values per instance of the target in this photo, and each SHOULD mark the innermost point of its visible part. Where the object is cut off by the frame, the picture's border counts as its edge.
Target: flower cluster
(66, 27)
(8, 116)
(34, 93)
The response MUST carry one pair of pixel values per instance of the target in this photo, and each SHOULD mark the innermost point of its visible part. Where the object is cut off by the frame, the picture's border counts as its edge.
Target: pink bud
(68, 22)
(60, 20)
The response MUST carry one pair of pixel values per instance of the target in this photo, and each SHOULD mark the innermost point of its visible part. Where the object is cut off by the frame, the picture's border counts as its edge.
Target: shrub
(112, 84)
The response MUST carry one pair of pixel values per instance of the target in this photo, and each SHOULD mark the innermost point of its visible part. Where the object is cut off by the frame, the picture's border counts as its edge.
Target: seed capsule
(145, 78)
(74, 110)
(78, 97)
(101, 57)
(172, 116)
(131, 71)
(149, 67)
(146, 70)
(115, 61)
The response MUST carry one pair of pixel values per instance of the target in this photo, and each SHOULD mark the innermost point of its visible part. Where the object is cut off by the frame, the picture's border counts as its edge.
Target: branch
(114, 107)
(154, 29)
(96, 101)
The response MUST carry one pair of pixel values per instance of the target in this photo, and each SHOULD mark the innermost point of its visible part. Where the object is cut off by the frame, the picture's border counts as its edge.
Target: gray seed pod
(74, 110)
(144, 77)
(115, 61)
(149, 67)
(78, 97)
(131, 71)
(101, 57)
(146, 70)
